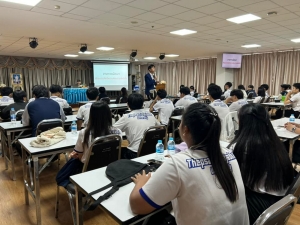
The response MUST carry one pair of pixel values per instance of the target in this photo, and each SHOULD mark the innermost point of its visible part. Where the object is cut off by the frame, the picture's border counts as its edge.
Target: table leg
(173, 125)
(11, 156)
(78, 195)
(283, 112)
(25, 175)
(37, 190)
(2, 143)
(291, 147)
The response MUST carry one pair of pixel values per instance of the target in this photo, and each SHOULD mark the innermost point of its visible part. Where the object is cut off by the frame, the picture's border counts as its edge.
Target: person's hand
(289, 126)
(74, 155)
(141, 179)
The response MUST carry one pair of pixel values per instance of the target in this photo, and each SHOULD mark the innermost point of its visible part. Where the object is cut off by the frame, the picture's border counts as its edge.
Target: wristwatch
(294, 129)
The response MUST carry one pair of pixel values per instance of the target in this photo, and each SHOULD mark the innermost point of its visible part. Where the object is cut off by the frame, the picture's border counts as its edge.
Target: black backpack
(120, 173)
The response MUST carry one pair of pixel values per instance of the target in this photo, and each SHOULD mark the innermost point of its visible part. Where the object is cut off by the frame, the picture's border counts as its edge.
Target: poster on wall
(17, 81)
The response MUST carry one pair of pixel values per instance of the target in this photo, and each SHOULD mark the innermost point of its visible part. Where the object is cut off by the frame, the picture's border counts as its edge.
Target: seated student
(84, 110)
(293, 97)
(56, 95)
(227, 88)
(214, 95)
(266, 87)
(123, 98)
(19, 99)
(163, 105)
(6, 93)
(181, 86)
(99, 124)
(265, 165)
(102, 92)
(295, 128)
(204, 186)
(41, 108)
(192, 91)
(261, 93)
(185, 98)
(237, 99)
(250, 89)
(33, 98)
(285, 89)
(134, 124)
(242, 88)
(151, 96)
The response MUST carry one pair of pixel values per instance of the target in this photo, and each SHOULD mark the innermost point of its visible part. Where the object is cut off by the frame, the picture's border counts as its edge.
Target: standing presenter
(150, 80)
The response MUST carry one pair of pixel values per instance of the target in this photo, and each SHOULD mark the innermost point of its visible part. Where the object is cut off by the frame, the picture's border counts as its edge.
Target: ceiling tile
(170, 10)
(259, 6)
(74, 2)
(186, 25)
(230, 13)
(288, 22)
(202, 28)
(48, 4)
(192, 4)
(146, 4)
(82, 11)
(214, 8)
(149, 16)
(284, 17)
(189, 15)
(102, 5)
(169, 21)
(109, 17)
(170, 1)
(75, 17)
(128, 11)
(294, 7)
(285, 2)
(206, 20)
(232, 27)
(47, 11)
(122, 1)
(220, 24)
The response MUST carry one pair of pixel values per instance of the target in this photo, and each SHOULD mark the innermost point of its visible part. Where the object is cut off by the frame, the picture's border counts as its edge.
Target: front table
(74, 95)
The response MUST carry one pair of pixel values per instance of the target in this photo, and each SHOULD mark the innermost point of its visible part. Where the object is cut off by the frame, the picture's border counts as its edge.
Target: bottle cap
(159, 141)
(12, 109)
(171, 139)
(292, 114)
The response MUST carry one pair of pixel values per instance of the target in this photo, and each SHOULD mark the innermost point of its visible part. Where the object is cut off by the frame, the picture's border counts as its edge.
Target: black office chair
(45, 125)
(106, 100)
(19, 114)
(103, 151)
(68, 111)
(278, 213)
(294, 188)
(150, 138)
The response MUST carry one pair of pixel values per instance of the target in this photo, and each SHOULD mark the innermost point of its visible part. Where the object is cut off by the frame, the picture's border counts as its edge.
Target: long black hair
(261, 92)
(205, 128)
(100, 122)
(260, 152)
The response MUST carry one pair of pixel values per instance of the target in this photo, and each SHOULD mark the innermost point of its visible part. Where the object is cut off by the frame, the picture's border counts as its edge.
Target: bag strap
(111, 184)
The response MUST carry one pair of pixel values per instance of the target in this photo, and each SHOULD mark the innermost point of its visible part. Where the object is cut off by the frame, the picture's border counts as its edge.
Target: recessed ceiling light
(251, 46)
(171, 55)
(150, 57)
(243, 18)
(297, 40)
(23, 2)
(105, 48)
(71, 55)
(183, 32)
(56, 7)
(86, 52)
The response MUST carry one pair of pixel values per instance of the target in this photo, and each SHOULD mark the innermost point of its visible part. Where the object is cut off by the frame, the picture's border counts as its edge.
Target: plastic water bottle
(74, 128)
(292, 118)
(160, 151)
(171, 146)
(13, 116)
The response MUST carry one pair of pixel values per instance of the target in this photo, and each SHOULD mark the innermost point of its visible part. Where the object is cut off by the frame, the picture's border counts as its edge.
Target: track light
(33, 42)
(133, 53)
(83, 47)
(162, 56)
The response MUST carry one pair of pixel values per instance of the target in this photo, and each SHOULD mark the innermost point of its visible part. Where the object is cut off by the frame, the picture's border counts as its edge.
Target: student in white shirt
(293, 97)
(7, 99)
(203, 183)
(181, 86)
(227, 88)
(192, 91)
(214, 95)
(264, 162)
(261, 93)
(99, 124)
(185, 98)
(237, 99)
(83, 114)
(242, 88)
(134, 124)
(163, 105)
(266, 87)
(56, 95)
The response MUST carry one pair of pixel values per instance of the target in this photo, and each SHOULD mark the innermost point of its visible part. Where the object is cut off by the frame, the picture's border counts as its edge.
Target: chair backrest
(250, 95)
(45, 125)
(176, 112)
(294, 188)
(150, 138)
(105, 99)
(103, 151)
(2, 107)
(277, 213)
(19, 114)
(229, 126)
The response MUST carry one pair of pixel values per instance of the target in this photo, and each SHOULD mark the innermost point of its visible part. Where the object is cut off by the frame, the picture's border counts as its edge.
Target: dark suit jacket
(149, 83)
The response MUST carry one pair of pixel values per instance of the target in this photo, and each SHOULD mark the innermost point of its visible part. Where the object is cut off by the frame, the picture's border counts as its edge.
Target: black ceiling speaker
(133, 53)
(33, 42)
(162, 56)
(83, 47)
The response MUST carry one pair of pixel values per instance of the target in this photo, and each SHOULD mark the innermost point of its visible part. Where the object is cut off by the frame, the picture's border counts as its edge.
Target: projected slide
(111, 76)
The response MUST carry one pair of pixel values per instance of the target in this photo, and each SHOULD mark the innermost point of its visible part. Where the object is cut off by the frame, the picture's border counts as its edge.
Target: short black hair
(162, 93)
(185, 91)
(6, 91)
(215, 91)
(238, 93)
(251, 86)
(181, 86)
(285, 86)
(92, 93)
(296, 85)
(192, 87)
(211, 84)
(229, 84)
(102, 90)
(241, 87)
(40, 91)
(151, 66)
(19, 95)
(265, 86)
(135, 101)
(54, 88)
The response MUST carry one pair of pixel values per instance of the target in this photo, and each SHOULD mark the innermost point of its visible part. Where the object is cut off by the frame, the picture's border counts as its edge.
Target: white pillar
(223, 75)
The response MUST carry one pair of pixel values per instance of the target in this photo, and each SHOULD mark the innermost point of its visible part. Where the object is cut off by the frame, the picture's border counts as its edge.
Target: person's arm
(148, 80)
(79, 118)
(178, 103)
(121, 123)
(288, 99)
(78, 149)
(228, 100)
(293, 127)
(152, 105)
(62, 114)
(25, 117)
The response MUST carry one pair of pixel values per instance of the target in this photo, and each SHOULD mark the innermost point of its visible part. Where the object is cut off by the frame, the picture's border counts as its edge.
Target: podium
(160, 86)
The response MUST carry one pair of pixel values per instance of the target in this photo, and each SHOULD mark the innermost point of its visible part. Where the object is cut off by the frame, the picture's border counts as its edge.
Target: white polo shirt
(257, 99)
(187, 179)
(6, 100)
(165, 108)
(134, 125)
(186, 101)
(221, 108)
(62, 102)
(235, 106)
(31, 100)
(84, 113)
(295, 99)
(227, 93)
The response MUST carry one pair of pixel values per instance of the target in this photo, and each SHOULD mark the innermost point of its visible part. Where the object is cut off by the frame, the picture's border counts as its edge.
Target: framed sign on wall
(17, 81)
